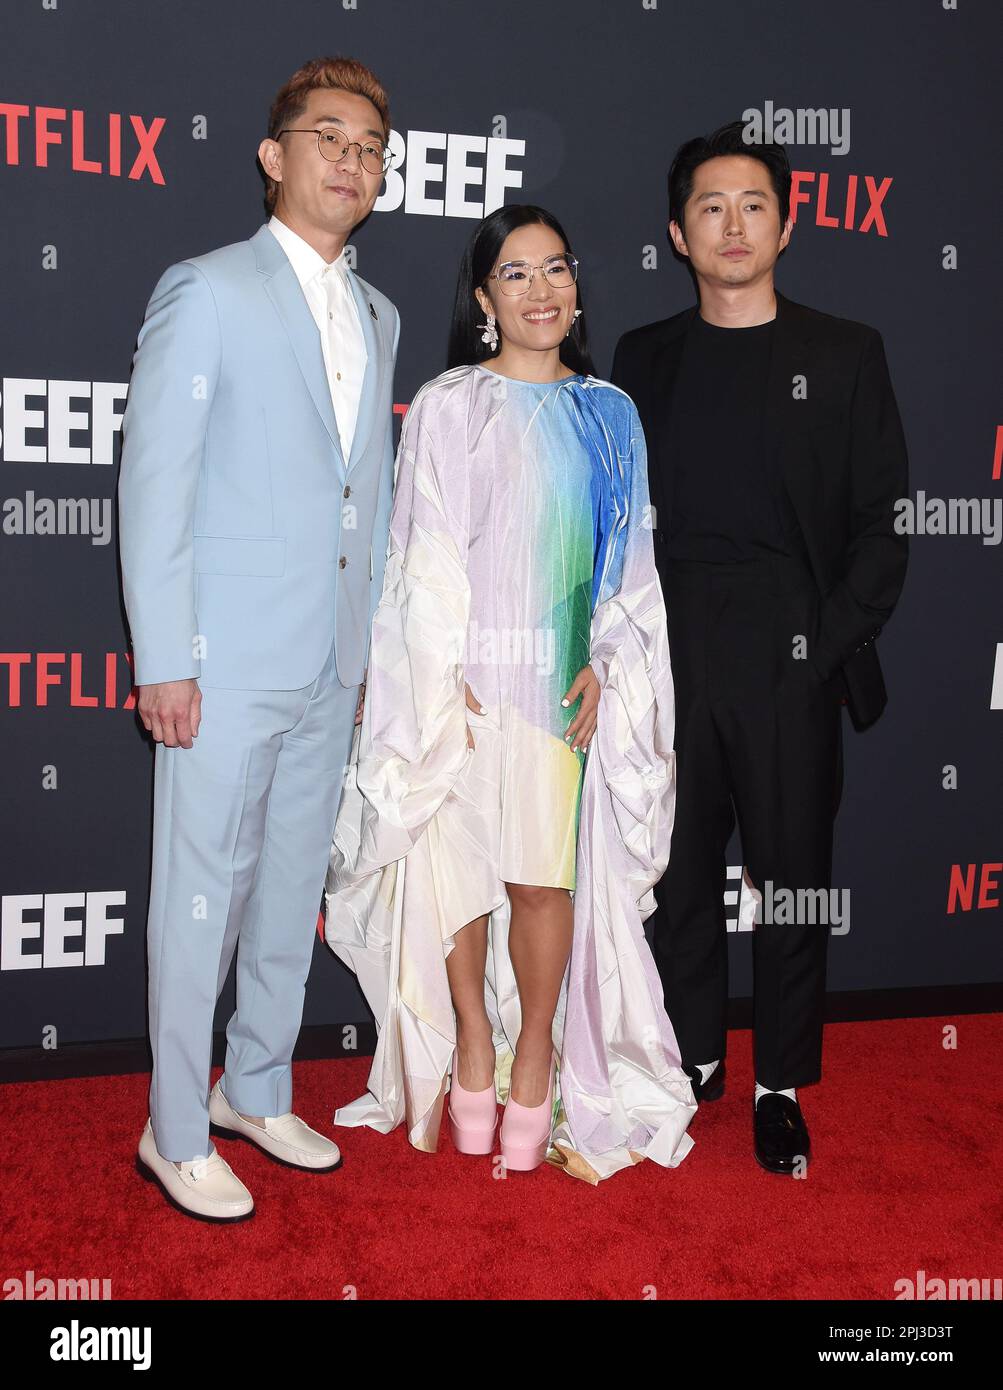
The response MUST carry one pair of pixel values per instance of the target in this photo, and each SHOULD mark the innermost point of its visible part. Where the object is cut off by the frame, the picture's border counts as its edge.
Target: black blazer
(840, 453)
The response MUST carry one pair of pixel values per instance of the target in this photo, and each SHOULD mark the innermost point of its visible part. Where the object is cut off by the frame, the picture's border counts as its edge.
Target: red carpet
(908, 1140)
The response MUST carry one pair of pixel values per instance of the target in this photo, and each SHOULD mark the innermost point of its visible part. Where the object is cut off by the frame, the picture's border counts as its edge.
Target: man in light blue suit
(255, 491)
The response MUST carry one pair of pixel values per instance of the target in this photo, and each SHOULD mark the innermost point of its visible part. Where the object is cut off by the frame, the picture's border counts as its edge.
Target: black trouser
(758, 734)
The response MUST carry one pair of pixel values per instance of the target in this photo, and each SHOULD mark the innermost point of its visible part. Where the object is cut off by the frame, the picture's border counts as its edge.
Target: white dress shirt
(332, 304)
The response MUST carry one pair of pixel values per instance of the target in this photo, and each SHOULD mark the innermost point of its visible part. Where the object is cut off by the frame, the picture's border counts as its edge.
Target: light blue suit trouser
(242, 830)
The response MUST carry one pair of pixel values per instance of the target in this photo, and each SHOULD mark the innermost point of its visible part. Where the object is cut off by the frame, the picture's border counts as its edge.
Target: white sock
(765, 1091)
(705, 1069)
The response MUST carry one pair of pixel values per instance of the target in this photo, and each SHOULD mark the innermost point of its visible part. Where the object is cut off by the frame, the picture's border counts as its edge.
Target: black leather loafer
(781, 1142)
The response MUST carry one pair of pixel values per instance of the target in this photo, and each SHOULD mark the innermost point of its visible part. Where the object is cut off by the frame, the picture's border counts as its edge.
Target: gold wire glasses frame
(516, 277)
(375, 158)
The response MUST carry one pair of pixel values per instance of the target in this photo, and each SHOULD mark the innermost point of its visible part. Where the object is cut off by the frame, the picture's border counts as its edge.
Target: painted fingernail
(564, 702)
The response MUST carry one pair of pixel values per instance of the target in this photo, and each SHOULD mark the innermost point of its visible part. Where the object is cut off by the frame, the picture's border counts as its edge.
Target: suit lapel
(286, 293)
(788, 441)
(374, 363)
(665, 362)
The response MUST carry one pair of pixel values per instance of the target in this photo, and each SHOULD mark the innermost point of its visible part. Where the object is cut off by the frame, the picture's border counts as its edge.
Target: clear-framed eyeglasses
(374, 156)
(516, 277)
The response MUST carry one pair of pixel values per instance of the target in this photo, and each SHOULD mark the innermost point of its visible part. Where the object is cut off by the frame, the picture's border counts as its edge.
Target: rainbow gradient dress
(534, 517)
(520, 551)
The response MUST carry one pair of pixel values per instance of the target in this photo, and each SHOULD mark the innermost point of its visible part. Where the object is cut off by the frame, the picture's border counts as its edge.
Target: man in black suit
(775, 457)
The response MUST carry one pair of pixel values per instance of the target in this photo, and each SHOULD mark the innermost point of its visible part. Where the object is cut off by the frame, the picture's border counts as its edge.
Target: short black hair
(465, 346)
(727, 140)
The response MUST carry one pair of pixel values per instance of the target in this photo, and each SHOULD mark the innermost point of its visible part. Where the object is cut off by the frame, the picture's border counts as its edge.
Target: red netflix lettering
(43, 678)
(989, 880)
(44, 137)
(15, 660)
(12, 114)
(50, 676)
(826, 204)
(146, 159)
(877, 197)
(823, 193)
(86, 154)
(80, 161)
(76, 696)
(961, 889)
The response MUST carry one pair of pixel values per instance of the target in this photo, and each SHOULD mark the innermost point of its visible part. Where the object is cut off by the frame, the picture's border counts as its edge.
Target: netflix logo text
(974, 887)
(852, 203)
(85, 142)
(40, 679)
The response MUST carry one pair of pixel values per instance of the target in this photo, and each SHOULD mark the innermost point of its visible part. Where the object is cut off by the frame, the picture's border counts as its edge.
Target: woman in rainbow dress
(510, 799)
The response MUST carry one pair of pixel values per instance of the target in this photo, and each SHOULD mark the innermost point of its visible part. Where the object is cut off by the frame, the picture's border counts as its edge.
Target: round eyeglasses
(374, 156)
(516, 277)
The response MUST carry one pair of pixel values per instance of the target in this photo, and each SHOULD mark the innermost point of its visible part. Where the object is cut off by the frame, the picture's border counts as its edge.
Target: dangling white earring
(490, 334)
(568, 334)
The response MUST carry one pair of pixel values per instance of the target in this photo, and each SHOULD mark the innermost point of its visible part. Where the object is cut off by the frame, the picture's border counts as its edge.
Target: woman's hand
(583, 726)
(472, 703)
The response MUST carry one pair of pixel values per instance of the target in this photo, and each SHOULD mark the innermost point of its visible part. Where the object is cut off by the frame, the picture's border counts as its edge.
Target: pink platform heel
(473, 1116)
(525, 1130)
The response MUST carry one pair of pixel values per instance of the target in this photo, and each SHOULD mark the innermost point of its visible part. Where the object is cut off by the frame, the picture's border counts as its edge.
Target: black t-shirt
(723, 507)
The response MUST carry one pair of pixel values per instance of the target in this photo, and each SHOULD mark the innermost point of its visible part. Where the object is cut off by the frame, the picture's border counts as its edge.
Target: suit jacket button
(347, 492)
(342, 562)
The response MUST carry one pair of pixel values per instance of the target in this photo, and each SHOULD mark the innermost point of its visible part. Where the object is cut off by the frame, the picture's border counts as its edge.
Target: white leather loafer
(284, 1137)
(206, 1188)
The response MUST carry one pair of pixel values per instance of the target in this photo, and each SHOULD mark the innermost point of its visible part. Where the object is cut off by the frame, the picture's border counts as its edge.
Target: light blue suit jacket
(248, 542)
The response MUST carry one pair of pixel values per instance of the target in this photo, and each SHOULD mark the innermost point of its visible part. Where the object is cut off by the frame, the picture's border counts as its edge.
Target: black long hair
(465, 346)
